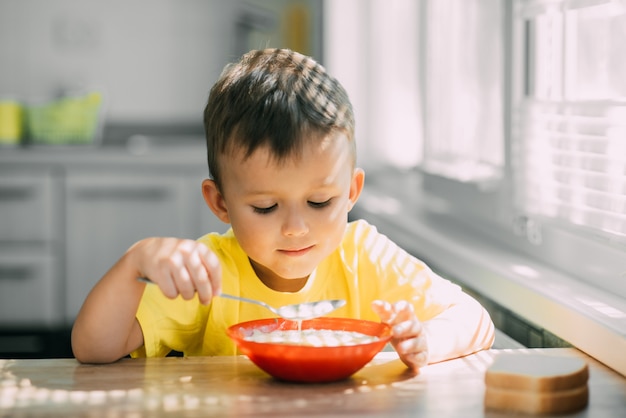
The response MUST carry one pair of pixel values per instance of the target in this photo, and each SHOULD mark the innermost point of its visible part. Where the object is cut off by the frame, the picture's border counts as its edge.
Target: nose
(295, 223)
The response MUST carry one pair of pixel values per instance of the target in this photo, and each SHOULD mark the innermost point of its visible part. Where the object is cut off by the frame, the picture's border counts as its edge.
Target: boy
(281, 154)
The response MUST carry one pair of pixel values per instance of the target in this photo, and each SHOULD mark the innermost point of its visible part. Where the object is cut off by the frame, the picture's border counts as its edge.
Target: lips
(296, 252)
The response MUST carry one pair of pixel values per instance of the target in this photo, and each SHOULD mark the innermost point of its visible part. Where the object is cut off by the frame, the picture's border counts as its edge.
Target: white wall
(154, 59)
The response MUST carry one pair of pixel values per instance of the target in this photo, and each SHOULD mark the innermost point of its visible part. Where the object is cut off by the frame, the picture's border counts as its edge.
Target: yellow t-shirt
(365, 267)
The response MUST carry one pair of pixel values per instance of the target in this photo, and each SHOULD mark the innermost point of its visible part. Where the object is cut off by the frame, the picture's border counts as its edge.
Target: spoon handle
(242, 299)
(224, 295)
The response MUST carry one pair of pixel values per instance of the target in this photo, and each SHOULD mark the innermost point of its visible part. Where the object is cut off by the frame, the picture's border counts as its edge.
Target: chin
(293, 274)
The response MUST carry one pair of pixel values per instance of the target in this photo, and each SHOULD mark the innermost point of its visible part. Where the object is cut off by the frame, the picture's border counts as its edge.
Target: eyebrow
(326, 185)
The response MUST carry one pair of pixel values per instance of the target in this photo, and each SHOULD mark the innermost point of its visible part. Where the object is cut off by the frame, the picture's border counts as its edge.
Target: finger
(181, 276)
(384, 310)
(412, 345)
(214, 269)
(164, 279)
(404, 311)
(415, 360)
(199, 277)
(166, 284)
(415, 347)
(403, 316)
(407, 329)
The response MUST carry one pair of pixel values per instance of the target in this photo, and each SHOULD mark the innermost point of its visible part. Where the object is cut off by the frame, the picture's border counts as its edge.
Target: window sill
(484, 176)
(592, 320)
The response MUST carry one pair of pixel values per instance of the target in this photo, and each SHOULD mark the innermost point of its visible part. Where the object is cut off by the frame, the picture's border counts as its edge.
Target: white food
(311, 337)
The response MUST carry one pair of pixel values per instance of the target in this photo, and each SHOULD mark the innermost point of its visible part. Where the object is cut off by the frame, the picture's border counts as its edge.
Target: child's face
(288, 216)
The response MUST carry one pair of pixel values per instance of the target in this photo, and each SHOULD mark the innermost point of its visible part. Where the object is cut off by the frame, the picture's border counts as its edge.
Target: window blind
(569, 128)
(570, 163)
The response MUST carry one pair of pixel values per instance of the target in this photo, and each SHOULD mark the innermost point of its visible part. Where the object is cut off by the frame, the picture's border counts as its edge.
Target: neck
(277, 283)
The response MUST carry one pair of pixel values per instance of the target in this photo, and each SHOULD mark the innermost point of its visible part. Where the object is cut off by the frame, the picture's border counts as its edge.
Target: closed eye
(319, 205)
(266, 210)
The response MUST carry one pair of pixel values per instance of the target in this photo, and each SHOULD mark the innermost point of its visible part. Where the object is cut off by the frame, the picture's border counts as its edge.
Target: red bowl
(301, 363)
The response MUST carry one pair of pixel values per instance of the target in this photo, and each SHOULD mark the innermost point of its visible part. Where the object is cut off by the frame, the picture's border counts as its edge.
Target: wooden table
(233, 386)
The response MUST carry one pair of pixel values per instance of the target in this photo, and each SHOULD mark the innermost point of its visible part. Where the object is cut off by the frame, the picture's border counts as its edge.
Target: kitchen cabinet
(67, 215)
(107, 211)
(30, 247)
(29, 288)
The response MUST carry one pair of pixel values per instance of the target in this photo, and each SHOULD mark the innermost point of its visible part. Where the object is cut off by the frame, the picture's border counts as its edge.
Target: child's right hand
(179, 267)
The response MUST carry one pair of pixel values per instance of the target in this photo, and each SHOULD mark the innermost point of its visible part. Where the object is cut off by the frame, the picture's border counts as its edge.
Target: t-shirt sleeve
(397, 275)
(168, 324)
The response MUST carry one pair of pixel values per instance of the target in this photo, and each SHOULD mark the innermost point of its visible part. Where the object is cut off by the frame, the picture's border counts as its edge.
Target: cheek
(339, 213)
(251, 232)
(333, 224)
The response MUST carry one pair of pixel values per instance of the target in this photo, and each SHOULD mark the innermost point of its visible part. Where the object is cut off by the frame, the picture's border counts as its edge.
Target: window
(463, 82)
(518, 121)
(372, 48)
(571, 141)
(525, 126)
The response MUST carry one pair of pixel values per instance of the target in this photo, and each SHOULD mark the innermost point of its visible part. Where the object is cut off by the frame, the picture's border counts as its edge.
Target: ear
(215, 200)
(356, 186)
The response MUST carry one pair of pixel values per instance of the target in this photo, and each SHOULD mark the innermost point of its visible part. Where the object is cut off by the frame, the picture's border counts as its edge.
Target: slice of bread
(536, 383)
(536, 372)
(538, 403)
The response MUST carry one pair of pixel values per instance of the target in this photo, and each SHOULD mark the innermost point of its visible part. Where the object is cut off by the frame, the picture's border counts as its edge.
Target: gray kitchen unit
(67, 214)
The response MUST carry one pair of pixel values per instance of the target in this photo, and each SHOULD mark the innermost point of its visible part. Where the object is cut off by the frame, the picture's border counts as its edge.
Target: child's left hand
(408, 335)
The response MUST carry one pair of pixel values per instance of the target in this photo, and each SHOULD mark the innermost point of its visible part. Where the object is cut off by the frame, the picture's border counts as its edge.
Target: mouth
(296, 252)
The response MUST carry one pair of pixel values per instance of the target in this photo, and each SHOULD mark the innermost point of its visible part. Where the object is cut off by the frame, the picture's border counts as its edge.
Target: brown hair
(277, 98)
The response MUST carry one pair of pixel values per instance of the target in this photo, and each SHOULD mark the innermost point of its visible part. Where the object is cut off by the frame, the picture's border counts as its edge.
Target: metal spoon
(295, 312)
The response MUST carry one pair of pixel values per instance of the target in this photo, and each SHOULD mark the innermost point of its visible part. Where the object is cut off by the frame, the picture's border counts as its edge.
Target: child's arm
(462, 329)
(105, 329)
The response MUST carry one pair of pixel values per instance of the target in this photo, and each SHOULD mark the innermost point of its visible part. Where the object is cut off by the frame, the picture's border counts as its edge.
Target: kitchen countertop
(190, 152)
(233, 386)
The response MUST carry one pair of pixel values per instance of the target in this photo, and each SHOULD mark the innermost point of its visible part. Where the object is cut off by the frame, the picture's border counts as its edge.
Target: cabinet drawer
(26, 207)
(29, 294)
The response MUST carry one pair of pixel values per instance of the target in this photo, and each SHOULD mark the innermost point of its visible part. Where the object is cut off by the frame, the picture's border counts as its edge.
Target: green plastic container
(69, 120)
